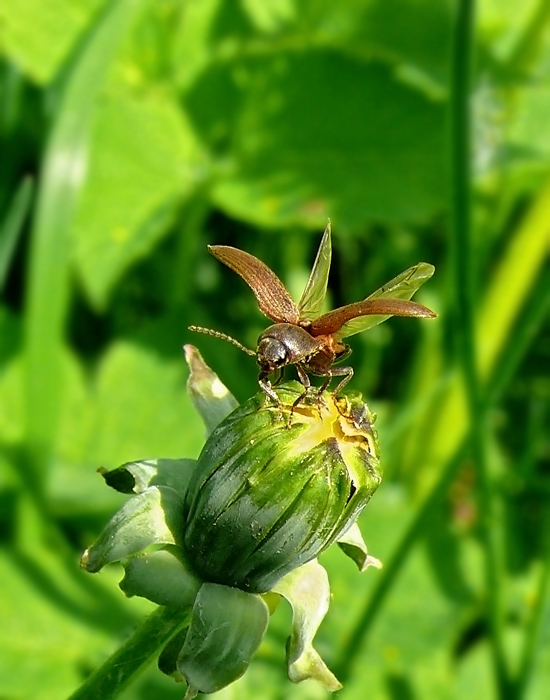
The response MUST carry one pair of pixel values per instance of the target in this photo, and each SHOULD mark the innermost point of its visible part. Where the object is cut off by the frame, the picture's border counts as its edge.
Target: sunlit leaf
(30, 43)
(293, 158)
(143, 166)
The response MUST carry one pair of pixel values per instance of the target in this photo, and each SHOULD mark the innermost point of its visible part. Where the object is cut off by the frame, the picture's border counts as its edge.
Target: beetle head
(272, 354)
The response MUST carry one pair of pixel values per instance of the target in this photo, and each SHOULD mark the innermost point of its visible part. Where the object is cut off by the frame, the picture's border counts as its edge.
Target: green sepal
(153, 517)
(168, 657)
(353, 545)
(135, 477)
(163, 577)
(307, 590)
(209, 395)
(227, 626)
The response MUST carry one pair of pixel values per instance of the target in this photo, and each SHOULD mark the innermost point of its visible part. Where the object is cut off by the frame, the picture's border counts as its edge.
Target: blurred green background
(135, 132)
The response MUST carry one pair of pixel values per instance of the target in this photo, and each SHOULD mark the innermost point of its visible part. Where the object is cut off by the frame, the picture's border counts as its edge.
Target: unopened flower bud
(274, 487)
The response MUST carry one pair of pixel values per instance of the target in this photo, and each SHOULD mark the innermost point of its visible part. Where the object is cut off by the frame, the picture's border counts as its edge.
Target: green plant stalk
(532, 635)
(463, 263)
(501, 376)
(355, 643)
(502, 373)
(139, 650)
(539, 611)
(520, 339)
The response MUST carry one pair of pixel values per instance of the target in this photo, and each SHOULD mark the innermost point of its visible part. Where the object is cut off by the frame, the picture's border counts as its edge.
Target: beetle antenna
(222, 336)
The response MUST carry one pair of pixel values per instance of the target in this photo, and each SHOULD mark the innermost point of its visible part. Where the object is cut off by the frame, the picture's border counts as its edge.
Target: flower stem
(354, 645)
(463, 260)
(145, 643)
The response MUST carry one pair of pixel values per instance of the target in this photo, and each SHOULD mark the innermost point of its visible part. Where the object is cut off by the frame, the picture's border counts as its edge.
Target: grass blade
(12, 226)
(63, 173)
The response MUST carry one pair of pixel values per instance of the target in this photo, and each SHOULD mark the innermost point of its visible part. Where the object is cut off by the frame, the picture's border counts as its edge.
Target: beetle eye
(271, 353)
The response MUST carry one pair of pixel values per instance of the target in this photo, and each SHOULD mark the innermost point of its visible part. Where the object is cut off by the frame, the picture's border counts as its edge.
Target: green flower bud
(273, 488)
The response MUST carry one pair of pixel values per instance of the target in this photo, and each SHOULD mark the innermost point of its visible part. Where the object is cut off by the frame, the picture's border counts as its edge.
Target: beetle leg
(265, 385)
(325, 384)
(346, 372)
(304, 379)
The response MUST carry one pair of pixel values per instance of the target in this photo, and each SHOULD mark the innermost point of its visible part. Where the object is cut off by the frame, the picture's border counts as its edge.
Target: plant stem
(139, 650)
(463, 259)
(390, 573)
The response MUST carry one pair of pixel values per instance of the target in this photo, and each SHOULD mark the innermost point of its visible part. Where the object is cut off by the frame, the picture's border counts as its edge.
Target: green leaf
(313, 298)
(153, 517)
(135, 406)
(143, 166)
(227, 626)
(142, 408)
(44, 645)
(527, 133)
(316, 132)
(29, 42)
(307, 591)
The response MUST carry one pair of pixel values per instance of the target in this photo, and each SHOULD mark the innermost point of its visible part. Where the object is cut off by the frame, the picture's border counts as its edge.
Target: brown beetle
(301, 335)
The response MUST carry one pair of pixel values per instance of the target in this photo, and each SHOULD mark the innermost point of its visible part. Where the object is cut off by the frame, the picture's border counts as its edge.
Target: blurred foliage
(132, 134)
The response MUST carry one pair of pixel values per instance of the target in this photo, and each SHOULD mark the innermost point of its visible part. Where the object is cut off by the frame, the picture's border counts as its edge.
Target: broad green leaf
(414, 35)
(305, 145)
(193, 42)
(143, 166)
(135, 406)
(271, 17)
(528, 136)
(43, 644)
(312, 300)
(142, 408)
(28, 27)
(227, 626)
(401, 287)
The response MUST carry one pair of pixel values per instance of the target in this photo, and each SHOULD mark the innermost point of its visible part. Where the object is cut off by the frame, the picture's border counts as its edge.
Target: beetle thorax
(284, 344)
